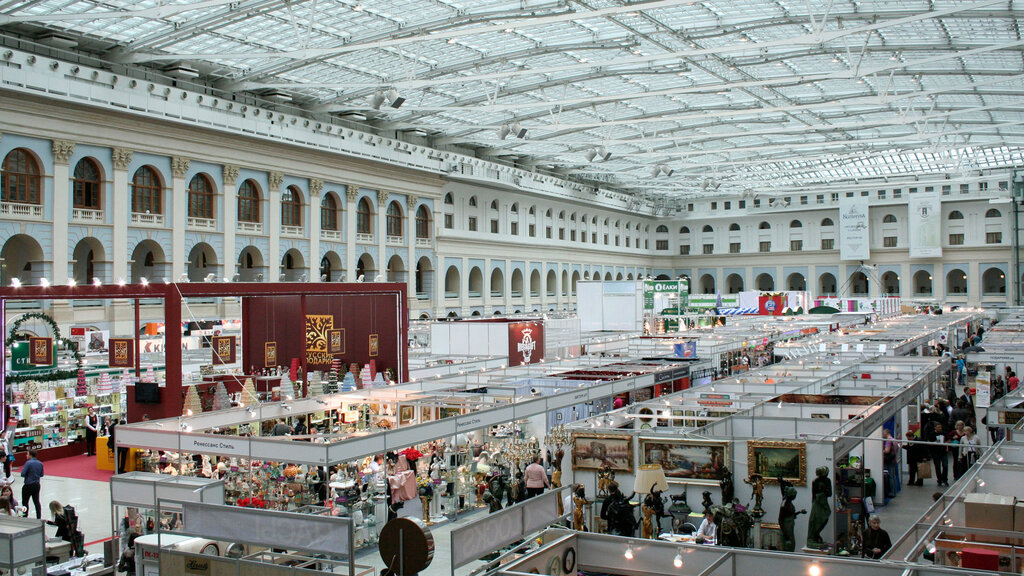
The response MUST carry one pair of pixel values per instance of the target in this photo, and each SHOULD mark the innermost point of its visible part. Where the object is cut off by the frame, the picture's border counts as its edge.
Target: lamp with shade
(649, 478)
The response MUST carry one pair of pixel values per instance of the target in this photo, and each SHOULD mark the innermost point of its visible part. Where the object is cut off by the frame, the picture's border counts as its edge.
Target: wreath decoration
(57, 337)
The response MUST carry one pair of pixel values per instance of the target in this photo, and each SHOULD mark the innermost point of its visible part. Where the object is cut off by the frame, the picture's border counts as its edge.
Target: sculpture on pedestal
(605, 478)
(579, 500)
(756, 482)
(726, 485)
(788, 514)
(821, 491)
(618, 512)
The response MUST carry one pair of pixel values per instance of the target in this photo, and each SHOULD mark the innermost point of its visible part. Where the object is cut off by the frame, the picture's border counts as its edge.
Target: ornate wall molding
(230, 174)
(121, 157)
(179, 166)
(316, 186)
(275, 179)
(62, 151)
(352, 192)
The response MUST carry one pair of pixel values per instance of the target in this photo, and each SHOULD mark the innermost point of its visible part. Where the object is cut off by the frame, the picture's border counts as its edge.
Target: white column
(62, 151)
(229, 216)
(179, 208)
(316, 187)
(274, 226)
(507, 278)
(121, 207)
(382, 232)
(410, 237)
(487, 286)
(352, 195)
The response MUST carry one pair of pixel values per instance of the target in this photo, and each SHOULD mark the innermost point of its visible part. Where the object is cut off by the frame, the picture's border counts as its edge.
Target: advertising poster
(525, 343)
(269, 354)
(121, 353)
(925, 225)
(40, 351)
(854, 241)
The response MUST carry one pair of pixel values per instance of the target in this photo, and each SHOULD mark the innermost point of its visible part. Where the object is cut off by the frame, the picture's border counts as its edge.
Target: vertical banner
(40, 351)
(525, 343)
(269, 354)
(336, 341)
(925, 225)
(223, 349)
(121, 353)
(854, 238)
(374, 344)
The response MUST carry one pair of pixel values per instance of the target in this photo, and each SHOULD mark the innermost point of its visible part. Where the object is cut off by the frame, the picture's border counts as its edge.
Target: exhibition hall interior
(511, 287)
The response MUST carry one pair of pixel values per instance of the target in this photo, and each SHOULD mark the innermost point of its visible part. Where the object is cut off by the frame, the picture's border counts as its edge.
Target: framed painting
(406, 414)
(336, 341)
(592, 451)
(269, 354)
(687, 461)
(774, 459)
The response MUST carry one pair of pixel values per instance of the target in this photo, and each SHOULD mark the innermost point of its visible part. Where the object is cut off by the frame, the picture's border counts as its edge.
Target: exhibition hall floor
(92, 501)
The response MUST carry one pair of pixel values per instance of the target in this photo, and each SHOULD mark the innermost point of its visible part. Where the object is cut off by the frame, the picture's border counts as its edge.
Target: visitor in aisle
(915, 455)
(890, 453)
(876, 540)
(708, 531)
(280, 428)
(5, 459)
(536, 478)
(933, 432)
(32, 472)
(1012, 381)
(92, 426)
(127, 562)
(968, 453)
(300, 428)
(122, 451)
(8, 492)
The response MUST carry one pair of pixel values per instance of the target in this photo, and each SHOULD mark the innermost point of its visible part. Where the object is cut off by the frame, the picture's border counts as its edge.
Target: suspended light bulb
(814, 570)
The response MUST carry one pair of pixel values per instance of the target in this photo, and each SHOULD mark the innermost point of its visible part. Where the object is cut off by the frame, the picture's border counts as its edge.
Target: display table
(683, 538)
(105, 458)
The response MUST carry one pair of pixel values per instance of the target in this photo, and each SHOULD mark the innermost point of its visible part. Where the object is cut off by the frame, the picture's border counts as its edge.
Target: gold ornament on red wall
(223, 349)
(269, 354)
(336, 341)
(374, 345)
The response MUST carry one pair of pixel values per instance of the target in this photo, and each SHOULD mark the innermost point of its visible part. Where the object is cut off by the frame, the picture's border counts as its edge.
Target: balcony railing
(202, 223)
(86, 215)
(334, 235)
(365, 238)
(424, 243)
(251, 227)
(395, 240)
(21, 210)
(294, 231)
(147, 219)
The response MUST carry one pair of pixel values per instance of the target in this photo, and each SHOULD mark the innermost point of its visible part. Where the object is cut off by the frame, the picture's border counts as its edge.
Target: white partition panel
(590, 304)
(289, 451)
(289, 530)
(478, 538)
(497, 338)
(440, 338)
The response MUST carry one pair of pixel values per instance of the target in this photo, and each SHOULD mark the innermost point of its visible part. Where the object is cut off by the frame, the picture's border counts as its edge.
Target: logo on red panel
(527, 345)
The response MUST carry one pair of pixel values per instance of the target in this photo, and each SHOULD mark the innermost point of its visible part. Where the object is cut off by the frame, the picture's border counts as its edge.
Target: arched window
(200, 197)
(422, 222)
(956, 215)
(515, 208)
(734, 227)
(684, 230)
(547, 214)
(889, 219)
(329, 213)
(827, 222)
(796, 224)
(146, 191)
(494, 204)
(764, 226)
(662, 229)
(533, 210)
(472, 201)
(21, 179)
(561, 215)
(708, 228)
(394, 219)
(248, 202)
(364, 217)
(448, 199)
(291, 207)
(993, 213)
(86, 184)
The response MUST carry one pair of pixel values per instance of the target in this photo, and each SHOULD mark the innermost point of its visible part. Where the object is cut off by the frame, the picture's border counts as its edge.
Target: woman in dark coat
(876, 540)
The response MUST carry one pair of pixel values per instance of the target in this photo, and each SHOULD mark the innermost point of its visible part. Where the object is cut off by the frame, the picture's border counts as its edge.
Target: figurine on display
(646, 524)
(605, 478)
(787, 515)
(656, 504)
(579, 500)
(726, 485)
(617, 512)
(556, 475)
(821, 491)
(707, 503)
(756, 482)
(733, 525)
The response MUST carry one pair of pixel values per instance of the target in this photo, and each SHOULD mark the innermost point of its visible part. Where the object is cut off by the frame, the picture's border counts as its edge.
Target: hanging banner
(336, 341)
(269, 354)
(525, 343)
(40, 351)
(925, 225)
(854, 240)
(223, 349)
(121, 352)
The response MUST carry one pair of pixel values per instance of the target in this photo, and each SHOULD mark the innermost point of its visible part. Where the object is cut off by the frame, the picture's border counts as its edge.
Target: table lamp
(649, 478)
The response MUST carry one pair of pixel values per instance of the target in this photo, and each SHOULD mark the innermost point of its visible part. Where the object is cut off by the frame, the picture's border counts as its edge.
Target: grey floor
(92, 501)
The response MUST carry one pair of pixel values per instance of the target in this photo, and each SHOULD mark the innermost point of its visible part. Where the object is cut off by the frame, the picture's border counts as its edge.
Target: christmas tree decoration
(192, 404)
(316, 384)
(221, 401)
(248, 396)
(365, 380)
(105, 386)
(349, 383)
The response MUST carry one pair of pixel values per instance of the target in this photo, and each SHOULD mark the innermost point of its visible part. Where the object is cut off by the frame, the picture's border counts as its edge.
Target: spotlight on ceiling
(518, 130)
(600, 153)
(504, 131)
(661, 169)
(389, 96)
(394, 98)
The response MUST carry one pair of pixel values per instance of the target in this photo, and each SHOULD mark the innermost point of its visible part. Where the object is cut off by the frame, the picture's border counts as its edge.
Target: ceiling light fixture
(661, 169)
(599, 152)
(389, 96)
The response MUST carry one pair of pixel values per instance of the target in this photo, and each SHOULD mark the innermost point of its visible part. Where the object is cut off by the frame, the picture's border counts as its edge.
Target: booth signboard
(983, 389)
(680, 288)
(525, 343)
(121, 353)
(223, 349)
(336, 341)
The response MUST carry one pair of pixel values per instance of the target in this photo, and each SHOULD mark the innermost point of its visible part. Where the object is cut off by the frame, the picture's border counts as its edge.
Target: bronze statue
(756, 482)
(579, 500)
(787, 515)
(605, 477)
(726, 485)
(821, 490)
(556, 475)
(707, 503)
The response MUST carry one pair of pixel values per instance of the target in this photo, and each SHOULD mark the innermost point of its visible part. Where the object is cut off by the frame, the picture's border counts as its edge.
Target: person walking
(32, 472)
(536, 479)
(915, 455)
(933, 432)
(92, 426)
(121, 453)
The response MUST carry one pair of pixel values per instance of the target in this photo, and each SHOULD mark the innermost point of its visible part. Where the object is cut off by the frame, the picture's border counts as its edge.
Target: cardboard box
(1018, 518)
(989, 511)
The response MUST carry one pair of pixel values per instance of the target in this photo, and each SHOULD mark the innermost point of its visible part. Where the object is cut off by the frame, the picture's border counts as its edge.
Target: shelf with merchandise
(63, 418)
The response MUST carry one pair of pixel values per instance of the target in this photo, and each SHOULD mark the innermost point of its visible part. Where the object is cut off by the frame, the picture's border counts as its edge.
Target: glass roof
(756, 94)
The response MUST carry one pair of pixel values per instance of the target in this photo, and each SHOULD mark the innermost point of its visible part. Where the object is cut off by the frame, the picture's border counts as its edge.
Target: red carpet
(81, 467)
